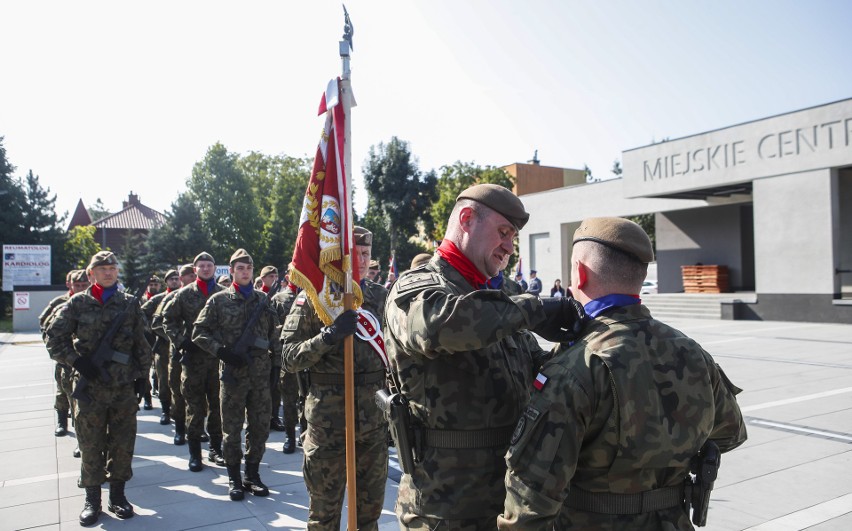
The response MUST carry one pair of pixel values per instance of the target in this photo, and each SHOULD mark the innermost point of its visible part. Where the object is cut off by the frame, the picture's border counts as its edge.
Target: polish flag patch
(539, 382)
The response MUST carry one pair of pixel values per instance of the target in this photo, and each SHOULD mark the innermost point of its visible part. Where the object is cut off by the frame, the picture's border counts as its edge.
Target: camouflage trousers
(286, 390)
(422, 523)
(178, 410)
(200, 387)
(246, 402)
(325, 475)
(161, 362)
(62, 401)
(106, 434)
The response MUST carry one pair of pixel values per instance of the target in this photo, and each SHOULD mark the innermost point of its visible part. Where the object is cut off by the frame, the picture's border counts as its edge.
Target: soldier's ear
(582, 275)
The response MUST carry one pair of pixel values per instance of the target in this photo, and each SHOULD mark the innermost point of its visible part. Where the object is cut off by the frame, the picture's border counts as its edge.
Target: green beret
(268, 270)
(103, 258)
(501, 200)
(186, 270)
(362, 236)
(224, 280)
(154, 278)
(617, 233)
(79, 275)
(420, 259)
(241, 255)
(170, 273)
(203, 257)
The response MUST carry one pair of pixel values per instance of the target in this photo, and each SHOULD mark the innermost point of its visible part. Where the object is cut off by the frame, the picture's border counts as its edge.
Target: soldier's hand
(85, 367)
(139, 385)
(345, 325)
(230, 357)
(564, 320)
(189, 346)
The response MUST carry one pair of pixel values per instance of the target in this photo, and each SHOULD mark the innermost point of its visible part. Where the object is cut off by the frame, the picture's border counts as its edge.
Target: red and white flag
(324, 240)
(539, 381)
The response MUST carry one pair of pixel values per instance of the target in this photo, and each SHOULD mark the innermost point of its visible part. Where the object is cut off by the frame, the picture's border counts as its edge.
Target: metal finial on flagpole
(346, 44)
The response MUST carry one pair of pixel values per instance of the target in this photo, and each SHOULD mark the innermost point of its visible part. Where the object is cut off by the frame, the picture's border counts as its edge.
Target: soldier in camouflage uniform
(245, 399)
(153, 289)
(309, 345)
(76, 281)
(288, 386)
(105, 425)
(161, 345)
(616, 417)
(463, 357)
(268, 277)
(175, 369)
(200, 374)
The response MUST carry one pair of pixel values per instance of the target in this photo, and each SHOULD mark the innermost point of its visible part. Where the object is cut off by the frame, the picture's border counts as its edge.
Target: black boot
(92, 507)
(165, 420)
(252, 482)
(204, 437)
(180, 433)
(290, 440)
(76, 452)
(195, 463)
(148, 406)
(235, 483)
(61, 424)
(118, 504)
(275, 424)
(215, 454)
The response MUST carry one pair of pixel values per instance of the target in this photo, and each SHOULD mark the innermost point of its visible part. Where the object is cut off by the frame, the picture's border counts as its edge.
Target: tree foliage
(179, 240)
(400, 196)
(225, 198)
(80, 246)
(98, 210)
(453, 180)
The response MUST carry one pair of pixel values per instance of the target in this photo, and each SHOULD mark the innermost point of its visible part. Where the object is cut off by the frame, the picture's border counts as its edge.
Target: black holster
(402, 430)
(704, 468)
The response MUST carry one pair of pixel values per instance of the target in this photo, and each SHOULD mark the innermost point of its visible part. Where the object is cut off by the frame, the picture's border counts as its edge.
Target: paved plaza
(793, 472)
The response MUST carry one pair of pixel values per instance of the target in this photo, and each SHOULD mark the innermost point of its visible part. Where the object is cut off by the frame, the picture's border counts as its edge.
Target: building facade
(770, 199)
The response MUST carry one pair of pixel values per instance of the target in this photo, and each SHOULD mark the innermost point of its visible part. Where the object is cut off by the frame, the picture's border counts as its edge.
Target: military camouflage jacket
(161, 346)
(223, 318)
(282, 302)
(464, 359)
(79, 324)
(182, 311)
(621, 411)
(303, 348)
(47, 313)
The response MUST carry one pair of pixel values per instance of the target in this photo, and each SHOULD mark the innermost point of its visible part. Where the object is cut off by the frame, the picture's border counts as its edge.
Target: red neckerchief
(98, 292)
(264, 288)
(294, 288)
(148, 295)
(462, 264)
(202, 285)
(70, 292)
(169, 290)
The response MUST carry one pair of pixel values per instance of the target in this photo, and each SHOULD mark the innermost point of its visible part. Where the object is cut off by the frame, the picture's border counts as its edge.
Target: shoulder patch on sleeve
(300, 300)
(418, 281)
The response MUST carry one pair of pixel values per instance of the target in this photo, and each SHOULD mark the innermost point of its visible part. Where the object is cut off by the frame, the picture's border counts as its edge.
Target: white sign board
(222, 270)
(26, 265)
(22, 300)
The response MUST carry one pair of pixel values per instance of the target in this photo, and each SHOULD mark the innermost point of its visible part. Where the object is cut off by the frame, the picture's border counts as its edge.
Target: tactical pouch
(395, 408)
(705, 467)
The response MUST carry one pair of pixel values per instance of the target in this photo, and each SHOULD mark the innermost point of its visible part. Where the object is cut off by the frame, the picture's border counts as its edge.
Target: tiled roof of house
(135, 215)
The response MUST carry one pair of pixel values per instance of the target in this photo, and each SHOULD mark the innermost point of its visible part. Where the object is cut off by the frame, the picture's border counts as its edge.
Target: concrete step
(690, 305)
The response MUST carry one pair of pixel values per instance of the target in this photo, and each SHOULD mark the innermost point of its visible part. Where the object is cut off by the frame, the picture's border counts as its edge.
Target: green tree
(133, 272)
(229, 213)
(399, 195)
(179, 240)
(616, 168)
(80, 246)
(42, 225)
(453, 180)
(98, 210)
(12, 202)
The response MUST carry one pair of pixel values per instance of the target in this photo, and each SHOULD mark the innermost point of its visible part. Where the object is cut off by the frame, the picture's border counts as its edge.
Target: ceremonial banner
(323, 244)
(392, 267)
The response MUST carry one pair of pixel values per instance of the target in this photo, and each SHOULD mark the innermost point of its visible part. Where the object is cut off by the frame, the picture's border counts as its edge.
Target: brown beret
(617, 233)
(420, 259)
(154, 278)
(203, 256)
(79, 275)
(501, 200)
(362, 236)
(186, 270)
(240, 255)
(374, 264)
(103, 258)
(224, 280)
(268, 270)
(170, 273)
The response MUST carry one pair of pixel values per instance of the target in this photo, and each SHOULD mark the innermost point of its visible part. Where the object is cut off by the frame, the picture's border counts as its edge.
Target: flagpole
(348, 350)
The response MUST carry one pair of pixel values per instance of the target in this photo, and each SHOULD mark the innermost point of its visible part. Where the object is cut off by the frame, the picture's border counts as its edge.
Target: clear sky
(103, 98)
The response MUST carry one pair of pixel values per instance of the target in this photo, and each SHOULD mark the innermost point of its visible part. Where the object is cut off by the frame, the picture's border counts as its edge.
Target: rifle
(104, 352)
(247, 339)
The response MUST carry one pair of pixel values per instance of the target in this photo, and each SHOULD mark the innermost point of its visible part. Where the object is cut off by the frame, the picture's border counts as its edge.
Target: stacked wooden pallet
(705, 279)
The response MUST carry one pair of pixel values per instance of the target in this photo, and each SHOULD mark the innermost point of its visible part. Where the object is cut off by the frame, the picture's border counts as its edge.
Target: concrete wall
(712, 236)
(843, 237)
(794, 234)
(40, 296)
